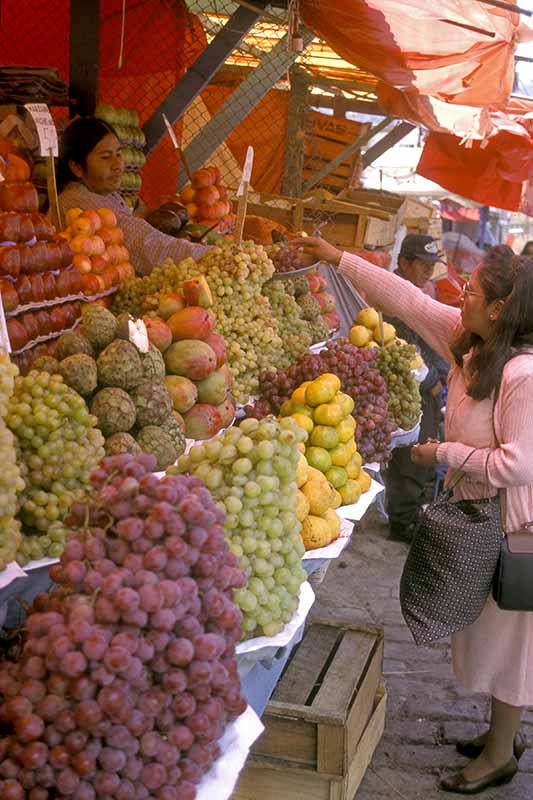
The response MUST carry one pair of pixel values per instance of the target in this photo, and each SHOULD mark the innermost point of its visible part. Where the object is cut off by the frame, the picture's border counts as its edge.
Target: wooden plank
(367, 746)
(289, 739)
(316, 147)
(305, 666)
(263, 779)
(331, 750)
(386, 142)
(364, 702)
(333, 128)
(344, 675)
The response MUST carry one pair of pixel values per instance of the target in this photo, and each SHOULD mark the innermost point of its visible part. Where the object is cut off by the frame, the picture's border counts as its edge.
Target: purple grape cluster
(360, 378)
(128, 675)
(287, 259)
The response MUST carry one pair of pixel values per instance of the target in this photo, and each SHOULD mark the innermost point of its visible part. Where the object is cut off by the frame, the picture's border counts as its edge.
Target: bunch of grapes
(128, 675)
(394, 363)
(293, 330)
(287, 259)
(134, 295)
(11, 482)
(58, 445)
(360, 378)
(251, 471)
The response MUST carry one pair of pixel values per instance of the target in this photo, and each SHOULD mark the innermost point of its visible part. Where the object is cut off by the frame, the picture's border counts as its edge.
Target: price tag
(4, 338)
(139, 335)
(46, 130)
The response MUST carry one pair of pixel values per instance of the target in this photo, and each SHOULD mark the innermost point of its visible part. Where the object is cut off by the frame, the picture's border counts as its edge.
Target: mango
(324, 436)
(159, 333)
(298, 396)
(197, 292)
(190, 358)
(193, 322)
(353, 469)
(315, 532)
(365, 481)
(170, 304)
(328, 414)
(336, 476)
(218, 344)
(337, 502)
(346, 402)
(301, 408)
(183, 392)
(212, 390)
(227, 412)
(334, 523)
(314, 474)
(304, 422)
(202, 422)
(302, 506)
(319, 495)
(340, 455)
(350, 492)
(319, 458)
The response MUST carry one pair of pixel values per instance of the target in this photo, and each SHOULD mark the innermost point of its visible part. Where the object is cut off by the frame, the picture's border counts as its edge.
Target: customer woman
(528, 249)
(89, 174)
(490, 389)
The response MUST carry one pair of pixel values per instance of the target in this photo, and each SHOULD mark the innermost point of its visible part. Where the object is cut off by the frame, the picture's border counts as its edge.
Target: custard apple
(79, 372)
(114, 410)
(99, 326)
(152, 402)
(72, 343)
(120, 365)
(156, 441)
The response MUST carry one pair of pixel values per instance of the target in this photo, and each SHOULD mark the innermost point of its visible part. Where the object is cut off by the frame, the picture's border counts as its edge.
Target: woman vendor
(89, 174)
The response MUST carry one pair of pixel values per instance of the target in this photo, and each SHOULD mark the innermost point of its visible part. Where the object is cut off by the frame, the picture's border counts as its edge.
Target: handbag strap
(461, 475)
(502, 494)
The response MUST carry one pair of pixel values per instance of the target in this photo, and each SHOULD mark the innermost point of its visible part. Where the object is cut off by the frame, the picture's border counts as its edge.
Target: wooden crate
(324, 720)
(345, 224)
(266, 778)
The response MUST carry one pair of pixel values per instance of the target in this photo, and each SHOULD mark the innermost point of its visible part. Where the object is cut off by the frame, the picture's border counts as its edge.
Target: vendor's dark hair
(502, 277)
(78, 140)
(526, 247)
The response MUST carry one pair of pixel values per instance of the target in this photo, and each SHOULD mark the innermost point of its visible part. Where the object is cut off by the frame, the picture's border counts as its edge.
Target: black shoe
(402, 533)
(458, 783)
(473, 750)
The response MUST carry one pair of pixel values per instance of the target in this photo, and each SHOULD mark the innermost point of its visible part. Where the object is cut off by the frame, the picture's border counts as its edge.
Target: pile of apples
(317, 287)
(100, 255)
(206, 199)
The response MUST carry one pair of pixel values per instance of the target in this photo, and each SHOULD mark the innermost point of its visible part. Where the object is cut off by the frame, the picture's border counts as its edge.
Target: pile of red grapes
(287, 259)
(360, 378)
(128, 674)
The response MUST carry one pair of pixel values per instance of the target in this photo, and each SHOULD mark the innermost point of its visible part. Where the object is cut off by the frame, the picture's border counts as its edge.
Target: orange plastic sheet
(497, 171)
(459, 51)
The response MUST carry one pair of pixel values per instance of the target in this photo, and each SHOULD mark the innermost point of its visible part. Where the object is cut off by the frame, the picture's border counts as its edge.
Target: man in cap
(404, 480)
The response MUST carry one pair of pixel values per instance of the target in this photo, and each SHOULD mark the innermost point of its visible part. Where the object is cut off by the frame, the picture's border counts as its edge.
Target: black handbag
(513, 581)
(450, 568)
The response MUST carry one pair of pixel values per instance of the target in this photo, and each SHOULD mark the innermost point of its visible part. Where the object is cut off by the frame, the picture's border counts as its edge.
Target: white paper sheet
(42, 562)
(356, 511)
(334, 549)
(11, 573)
(219, 782)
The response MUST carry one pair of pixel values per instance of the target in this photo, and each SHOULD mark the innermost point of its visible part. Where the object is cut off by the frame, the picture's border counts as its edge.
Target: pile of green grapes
(293, 330)
(132, 294)
(11, 482)
(394, 364)
(251, 472)
(58, 446)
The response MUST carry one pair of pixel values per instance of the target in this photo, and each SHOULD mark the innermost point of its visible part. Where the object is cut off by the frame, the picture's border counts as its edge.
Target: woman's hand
(318, 248)
(424, 454)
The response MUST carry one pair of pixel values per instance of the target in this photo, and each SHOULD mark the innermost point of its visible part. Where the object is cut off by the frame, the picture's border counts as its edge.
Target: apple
(54, 257)
(107, 216)
(71, 316)
(192, 209)
(65, 250)
(16, 169)
(187, 195)
(9, 226)
(221, 207)
(81, 225)
(8, 293)
(75, 280)
(37, 288)
(202, 178)
(42, 318)
(126, 271)
(30, 323)
(98, 246)
(108, 275)
(27, 228)
(10, 261)
(90, 285)
(63, 284)
(215, 172)
(42, 228)
(49, 284)
(95, 219)
(18, 335)
(114, 252)
(207, 215)
(23, 287)
(223, 192)
(99, 265)
(124, 253)
(58, 321)
(207, 196)
(82, 263)
(72, 214)
(82, 244)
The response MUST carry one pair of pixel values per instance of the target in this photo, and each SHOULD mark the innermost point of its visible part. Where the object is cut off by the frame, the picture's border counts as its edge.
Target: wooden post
(53, 199)
(295, 150)
(84, 57)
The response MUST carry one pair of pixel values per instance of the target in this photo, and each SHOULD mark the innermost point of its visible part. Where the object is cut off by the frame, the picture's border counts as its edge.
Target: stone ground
(428, 711)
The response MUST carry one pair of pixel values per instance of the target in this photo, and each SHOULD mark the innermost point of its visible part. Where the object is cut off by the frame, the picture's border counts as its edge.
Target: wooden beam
(84, 54)
(295, 145)
(202, 71)
(386, 142)
(245, 97)
(355, 106)
(360, 142)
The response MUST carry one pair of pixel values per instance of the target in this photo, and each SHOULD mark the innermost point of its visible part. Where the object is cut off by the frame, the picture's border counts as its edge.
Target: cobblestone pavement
(428, 711)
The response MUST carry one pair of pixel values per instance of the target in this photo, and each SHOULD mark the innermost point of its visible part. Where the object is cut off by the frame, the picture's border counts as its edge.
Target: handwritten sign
(46, 130)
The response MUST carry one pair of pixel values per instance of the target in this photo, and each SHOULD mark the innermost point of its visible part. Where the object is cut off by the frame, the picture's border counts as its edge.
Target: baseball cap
(416, 245)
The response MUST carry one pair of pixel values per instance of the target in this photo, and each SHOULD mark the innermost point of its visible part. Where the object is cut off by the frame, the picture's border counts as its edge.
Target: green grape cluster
(11, 482)
(131, 295)
(319, 330)
(251, 472)
(394, 363)
(294, 332)
(58, 446)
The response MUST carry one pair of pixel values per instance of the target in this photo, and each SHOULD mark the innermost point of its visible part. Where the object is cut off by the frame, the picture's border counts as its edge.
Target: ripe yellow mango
(315, 532)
